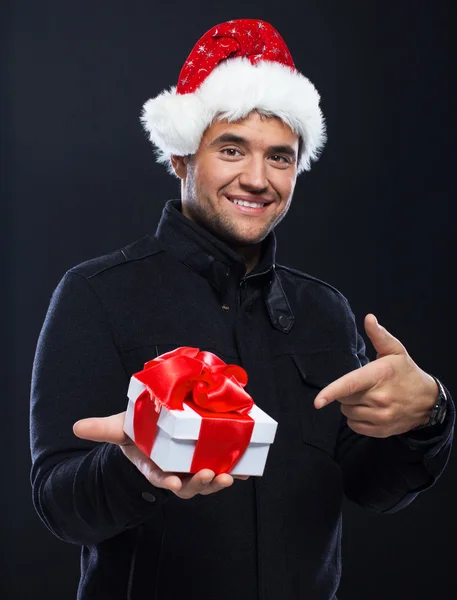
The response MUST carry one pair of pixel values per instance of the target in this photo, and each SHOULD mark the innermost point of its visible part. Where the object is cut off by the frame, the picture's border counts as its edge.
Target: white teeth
(249, 204)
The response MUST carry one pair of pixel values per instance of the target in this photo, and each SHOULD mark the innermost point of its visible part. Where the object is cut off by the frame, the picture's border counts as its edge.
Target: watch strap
(438, 412)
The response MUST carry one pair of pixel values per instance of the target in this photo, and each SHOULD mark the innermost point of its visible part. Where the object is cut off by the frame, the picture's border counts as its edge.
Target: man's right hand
(111, 430)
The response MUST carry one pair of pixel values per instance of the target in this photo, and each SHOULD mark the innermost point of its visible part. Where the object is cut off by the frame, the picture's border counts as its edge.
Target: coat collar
(201, 251)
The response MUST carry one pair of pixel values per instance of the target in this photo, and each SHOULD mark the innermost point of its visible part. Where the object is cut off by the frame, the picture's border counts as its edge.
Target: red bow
(213, 389)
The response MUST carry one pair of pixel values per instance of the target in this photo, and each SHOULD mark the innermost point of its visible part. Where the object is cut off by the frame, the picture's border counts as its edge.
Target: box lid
(185, 424)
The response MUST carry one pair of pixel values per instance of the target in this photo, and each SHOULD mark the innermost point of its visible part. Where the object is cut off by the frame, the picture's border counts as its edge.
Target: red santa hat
(235, 68)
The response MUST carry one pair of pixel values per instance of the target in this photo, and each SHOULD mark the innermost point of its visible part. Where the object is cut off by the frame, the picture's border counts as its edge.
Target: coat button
(284, 321)
(148, 497)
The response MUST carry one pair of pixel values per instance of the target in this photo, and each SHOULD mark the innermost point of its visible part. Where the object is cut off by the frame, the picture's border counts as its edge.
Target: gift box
(188, 410)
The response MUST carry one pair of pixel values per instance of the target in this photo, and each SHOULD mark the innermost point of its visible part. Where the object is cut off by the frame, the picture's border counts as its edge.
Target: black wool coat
(277, 536)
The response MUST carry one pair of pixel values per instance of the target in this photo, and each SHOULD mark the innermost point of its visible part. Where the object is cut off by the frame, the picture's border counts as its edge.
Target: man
(239, 127)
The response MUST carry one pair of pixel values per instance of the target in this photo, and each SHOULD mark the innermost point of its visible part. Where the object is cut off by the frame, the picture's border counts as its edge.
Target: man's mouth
(253, 203)
(248, 204)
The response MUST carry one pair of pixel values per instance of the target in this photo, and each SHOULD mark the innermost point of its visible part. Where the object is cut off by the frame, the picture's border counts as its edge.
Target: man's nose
(254, 174)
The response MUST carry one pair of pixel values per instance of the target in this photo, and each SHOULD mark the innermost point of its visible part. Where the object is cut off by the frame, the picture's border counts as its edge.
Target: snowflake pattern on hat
(255, 40)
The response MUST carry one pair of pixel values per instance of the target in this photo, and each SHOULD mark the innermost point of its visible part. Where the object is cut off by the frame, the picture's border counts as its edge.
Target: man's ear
(179, 164)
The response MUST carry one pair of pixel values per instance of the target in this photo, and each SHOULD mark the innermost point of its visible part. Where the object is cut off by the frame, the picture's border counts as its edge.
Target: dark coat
(269, 538)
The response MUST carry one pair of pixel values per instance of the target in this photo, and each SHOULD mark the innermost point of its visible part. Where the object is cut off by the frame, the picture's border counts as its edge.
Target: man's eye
(279, 158)
(230, 151)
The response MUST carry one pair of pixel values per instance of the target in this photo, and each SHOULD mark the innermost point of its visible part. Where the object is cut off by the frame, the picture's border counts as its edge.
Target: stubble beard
(220, 224)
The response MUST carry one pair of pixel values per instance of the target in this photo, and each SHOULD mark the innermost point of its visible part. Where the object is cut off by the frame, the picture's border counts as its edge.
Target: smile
(248, 204)
(249, 207)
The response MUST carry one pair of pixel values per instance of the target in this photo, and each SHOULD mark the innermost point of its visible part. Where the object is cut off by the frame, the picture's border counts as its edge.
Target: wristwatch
(439, 409)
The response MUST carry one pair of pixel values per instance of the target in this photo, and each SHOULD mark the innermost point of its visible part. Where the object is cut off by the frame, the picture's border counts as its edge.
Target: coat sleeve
(387, 474)
(83, 491)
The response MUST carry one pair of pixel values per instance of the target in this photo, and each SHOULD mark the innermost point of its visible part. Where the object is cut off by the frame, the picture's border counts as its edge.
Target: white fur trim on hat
(176, 122)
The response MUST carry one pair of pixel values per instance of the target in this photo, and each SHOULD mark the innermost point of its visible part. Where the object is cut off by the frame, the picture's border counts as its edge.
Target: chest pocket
(315, 371)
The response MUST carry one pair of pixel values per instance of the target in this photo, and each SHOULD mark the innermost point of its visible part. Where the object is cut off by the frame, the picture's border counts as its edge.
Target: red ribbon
(210, 387)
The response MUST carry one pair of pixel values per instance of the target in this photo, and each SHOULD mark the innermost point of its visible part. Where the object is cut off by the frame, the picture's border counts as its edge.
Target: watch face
(441, 413)
(440, 407)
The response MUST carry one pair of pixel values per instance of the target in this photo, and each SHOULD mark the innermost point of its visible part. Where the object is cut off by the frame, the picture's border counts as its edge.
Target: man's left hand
(388, 396)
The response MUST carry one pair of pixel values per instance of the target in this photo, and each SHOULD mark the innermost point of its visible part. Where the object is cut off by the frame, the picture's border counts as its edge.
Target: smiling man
(239, 127)
(239, 183)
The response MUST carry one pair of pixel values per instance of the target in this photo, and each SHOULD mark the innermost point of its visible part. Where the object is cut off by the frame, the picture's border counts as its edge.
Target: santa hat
(235, 68)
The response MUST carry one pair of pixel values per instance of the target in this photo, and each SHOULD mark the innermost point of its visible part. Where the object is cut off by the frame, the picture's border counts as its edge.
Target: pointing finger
(350, 384)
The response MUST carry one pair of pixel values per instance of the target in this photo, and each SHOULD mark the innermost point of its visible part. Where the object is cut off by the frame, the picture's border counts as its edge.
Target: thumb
(383, 342)
(102, 429)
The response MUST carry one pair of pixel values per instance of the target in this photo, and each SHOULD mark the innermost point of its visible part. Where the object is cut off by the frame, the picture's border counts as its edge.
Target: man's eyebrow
(231, 138)
(284, 149)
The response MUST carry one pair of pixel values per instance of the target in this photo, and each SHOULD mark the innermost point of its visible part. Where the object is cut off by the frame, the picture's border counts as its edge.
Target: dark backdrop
(79, 179)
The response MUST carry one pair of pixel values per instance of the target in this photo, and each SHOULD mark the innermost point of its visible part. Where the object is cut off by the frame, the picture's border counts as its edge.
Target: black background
(79, 179)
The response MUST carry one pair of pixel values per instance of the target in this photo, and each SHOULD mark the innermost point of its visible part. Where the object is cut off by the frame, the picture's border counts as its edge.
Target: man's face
(251, 161)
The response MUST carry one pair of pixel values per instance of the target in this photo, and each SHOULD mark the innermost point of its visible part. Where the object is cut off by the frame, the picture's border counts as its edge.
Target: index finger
(353, 382)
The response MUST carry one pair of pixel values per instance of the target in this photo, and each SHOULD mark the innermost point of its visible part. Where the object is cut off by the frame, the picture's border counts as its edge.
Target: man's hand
(389, 396)
(110, 429)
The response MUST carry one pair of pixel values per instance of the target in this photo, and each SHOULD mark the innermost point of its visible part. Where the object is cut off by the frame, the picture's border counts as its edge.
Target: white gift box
(178, 431)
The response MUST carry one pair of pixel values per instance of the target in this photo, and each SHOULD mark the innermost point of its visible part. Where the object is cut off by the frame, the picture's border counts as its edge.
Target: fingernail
(206, 481)
(321, 402)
